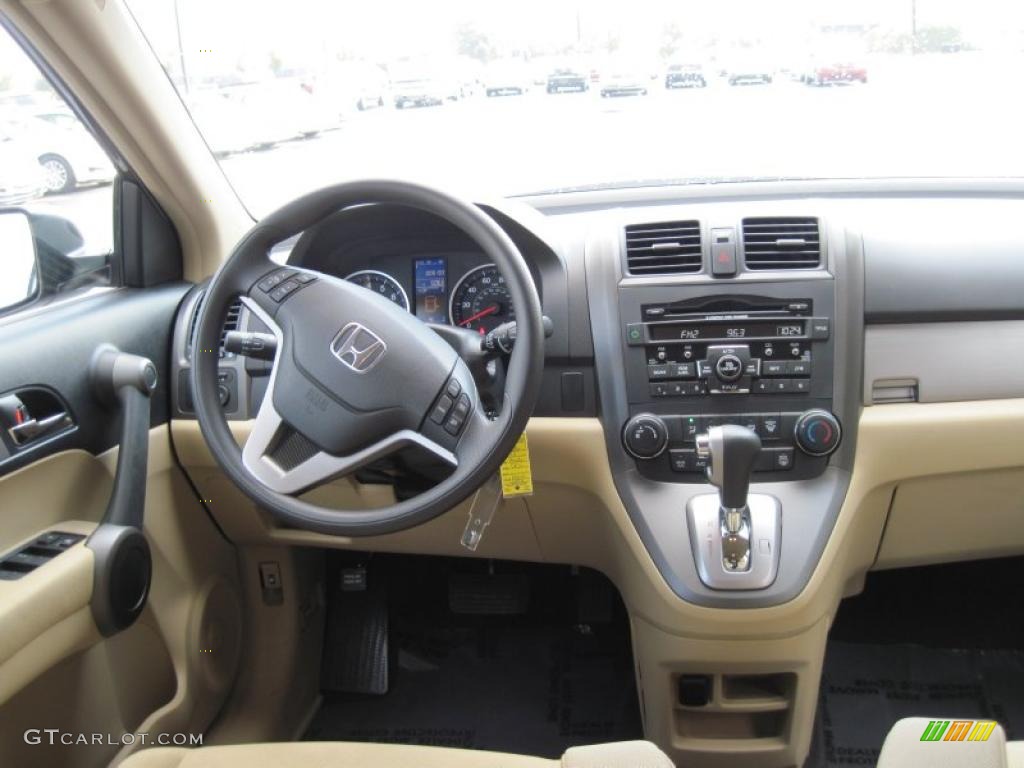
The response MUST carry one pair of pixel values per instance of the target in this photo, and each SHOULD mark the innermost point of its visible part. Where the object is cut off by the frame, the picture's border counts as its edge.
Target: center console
(773, 351)
(729, 400)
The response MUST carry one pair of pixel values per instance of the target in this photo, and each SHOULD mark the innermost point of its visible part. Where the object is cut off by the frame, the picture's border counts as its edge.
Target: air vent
(781, 243)
(231, 320)
(669, 248)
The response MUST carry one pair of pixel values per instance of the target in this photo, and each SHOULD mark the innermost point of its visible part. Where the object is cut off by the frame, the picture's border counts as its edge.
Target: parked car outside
(66, 151)
(566, 80)
(685, 76)
(22, 178)
(829, 74)
(750, 74)
(624, 84)
(506, 78)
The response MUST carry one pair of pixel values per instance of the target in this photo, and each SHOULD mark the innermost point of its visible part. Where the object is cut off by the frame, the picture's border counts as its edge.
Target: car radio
(758, 361)
(751, 345)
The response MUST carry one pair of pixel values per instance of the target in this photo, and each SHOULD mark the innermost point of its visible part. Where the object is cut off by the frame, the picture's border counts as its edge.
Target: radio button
(774, 368)
(798, 368)
(781, 386)
(763, 387)
(753, 367)
(682, 371)
(657, 372)
(801, 385)
(729, 368)
(819, 328)
(659, 390)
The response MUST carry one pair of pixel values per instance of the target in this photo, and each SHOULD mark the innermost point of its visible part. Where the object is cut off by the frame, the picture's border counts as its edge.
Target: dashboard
(426, 267)
(831, 321)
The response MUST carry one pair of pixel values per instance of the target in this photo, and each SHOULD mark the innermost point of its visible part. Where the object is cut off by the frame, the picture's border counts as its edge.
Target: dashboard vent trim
(664, 248)
(231, 321)
(782, 242)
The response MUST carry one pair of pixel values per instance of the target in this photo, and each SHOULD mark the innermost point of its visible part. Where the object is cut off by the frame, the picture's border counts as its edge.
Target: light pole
(913, 26)
(181, 50)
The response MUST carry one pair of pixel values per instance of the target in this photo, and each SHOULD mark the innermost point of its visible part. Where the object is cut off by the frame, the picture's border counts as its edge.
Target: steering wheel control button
(645, 436)
(284, 290)
(453, 388)
(269, 283)
(458, 416)
(441, 408)
(817, 433)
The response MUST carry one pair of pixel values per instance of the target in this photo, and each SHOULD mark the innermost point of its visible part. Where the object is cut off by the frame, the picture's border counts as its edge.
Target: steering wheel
(355, 377)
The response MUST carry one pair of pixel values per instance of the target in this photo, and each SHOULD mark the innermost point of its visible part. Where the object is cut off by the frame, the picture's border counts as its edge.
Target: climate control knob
(817, 433)
(645, 436)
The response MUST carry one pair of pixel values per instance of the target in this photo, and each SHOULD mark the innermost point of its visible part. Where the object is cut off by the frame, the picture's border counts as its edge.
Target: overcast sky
(383, 30)
(306, 33)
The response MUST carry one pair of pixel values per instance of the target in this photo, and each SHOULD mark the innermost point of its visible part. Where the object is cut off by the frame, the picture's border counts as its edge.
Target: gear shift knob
(733, 451)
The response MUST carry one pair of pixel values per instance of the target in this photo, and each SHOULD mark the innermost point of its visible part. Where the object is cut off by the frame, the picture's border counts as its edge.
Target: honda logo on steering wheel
(358, 347)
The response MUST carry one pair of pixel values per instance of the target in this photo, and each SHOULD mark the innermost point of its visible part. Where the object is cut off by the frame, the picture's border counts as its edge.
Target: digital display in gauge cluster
(430, 279)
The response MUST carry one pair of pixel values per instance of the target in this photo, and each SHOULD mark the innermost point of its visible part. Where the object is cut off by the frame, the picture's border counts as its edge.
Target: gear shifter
(732, 451)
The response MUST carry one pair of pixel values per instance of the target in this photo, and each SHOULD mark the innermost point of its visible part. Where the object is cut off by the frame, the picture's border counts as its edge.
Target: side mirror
(17, 260)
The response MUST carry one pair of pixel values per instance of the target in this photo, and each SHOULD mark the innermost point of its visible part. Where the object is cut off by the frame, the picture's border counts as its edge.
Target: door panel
(53, 348)
(170, 671)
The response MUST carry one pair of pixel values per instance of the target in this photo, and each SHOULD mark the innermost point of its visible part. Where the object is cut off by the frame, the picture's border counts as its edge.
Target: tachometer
(381, 283)
(480, 301)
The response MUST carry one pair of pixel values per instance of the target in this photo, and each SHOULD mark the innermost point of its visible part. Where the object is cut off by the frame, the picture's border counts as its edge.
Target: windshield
(541, 95)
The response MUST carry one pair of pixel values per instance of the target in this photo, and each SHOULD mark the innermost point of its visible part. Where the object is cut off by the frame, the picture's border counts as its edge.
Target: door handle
(33, 429)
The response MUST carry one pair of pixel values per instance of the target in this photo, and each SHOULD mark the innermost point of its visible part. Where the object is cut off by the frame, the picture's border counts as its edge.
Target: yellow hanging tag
(516, 475)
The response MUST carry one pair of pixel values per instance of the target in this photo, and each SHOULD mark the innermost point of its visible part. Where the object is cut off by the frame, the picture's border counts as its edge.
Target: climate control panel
(666, 444)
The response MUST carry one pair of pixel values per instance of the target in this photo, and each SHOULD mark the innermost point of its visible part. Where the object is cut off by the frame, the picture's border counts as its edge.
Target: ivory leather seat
(624, 754)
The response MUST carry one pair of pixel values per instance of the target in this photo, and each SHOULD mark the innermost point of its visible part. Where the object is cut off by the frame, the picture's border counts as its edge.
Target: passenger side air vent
(230, 324)
(669, 248)
(781, 243)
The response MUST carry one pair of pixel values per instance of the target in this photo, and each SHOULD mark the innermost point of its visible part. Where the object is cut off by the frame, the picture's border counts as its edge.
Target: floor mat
(555, 675)
(524, 690)
(868, 687)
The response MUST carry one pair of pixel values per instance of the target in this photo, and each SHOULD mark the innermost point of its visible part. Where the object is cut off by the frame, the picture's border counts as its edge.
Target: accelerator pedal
(355, 657)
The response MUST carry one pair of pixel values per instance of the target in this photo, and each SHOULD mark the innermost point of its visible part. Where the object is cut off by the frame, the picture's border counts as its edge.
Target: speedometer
(382, 284)
(480, 301)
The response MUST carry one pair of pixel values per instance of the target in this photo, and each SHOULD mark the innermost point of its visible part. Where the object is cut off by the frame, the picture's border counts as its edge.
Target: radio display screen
(742, 330)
